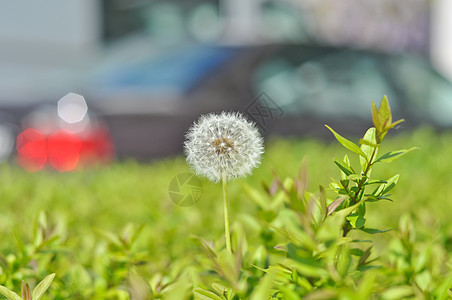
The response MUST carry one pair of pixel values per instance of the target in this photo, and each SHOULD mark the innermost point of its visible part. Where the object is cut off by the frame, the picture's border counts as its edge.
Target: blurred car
(339, 84)
(64, 137)
(286, 89)
(149, 96)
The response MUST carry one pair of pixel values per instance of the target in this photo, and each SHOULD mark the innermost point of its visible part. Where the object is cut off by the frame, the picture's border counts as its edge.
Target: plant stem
(359, 193)
(226, 217)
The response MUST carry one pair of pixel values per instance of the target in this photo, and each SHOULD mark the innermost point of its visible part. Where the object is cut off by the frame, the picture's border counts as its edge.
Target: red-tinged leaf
(323, 202)
(25, 291)
(335, 204)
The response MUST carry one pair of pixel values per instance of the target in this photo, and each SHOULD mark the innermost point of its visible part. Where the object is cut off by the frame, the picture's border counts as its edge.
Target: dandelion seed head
(225, 144)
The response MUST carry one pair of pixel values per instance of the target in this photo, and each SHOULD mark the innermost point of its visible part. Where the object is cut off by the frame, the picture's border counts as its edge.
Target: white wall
(71, 23)
(441, 36)
(45, 47)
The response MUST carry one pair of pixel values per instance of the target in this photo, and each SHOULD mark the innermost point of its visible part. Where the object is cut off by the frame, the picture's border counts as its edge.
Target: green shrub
(113, 233)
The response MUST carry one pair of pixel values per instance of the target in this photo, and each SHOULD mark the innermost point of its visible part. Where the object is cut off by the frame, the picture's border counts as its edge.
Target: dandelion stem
(226, 216)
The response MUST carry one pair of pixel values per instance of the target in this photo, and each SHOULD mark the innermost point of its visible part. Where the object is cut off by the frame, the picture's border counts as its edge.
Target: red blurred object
(96, 147)
(63, 149)
(31, 150)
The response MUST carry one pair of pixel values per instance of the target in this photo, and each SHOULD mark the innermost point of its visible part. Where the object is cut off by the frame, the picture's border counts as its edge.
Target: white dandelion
(221, 147)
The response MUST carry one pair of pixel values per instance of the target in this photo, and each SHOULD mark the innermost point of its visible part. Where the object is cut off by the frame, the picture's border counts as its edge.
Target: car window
(325, 85)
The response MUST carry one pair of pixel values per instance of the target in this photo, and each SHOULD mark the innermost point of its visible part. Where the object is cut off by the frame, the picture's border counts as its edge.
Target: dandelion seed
(223, 145)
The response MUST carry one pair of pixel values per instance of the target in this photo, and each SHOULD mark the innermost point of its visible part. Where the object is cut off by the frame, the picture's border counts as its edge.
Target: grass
(82, 225)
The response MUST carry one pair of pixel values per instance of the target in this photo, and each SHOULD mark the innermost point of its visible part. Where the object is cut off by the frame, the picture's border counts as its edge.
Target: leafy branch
(353, 184)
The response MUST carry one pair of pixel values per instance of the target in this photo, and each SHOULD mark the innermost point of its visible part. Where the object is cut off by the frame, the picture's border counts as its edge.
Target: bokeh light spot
(31, 150)
(72, 108)
(64, 150)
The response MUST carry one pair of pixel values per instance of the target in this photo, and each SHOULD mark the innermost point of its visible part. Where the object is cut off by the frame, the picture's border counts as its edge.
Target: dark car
(149, 102)
(285, 89)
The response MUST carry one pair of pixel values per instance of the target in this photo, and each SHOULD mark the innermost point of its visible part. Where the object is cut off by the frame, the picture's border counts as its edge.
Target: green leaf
(287, 292)
(349, 166)
(356, 221)
(255, 196)
(354, 177)
(357, 252)
(366, 286)
(42, 287)
(393, 155)
(373, 230)
(372, 198)
(346, 143)
(112, 238)
(383, 118)
(344, 261)
(378, 190)
(206, 295)
(9, 294)
(396, 123)
(371, 151)
(308, 269)
(331, 228)
(364, 257)
(391, 184)
(374, 181)
(423, 280)
(344, 168)
(207, 247)
(288, 187)
(263, 289)
(384, 114)
(334, 185)
(441, 290)
(364, 142)
(221, 289)
(18, 240)
(398, 292)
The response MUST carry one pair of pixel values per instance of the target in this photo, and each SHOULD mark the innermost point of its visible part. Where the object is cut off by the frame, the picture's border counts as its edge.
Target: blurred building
(134, 58)
(441, 37)
(51, 47)
(44, 46)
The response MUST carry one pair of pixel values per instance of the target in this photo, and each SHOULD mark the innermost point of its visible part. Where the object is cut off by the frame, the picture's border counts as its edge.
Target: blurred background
(84, 82)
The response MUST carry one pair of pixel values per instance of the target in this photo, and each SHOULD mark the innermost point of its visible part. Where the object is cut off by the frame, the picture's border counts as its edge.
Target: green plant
(308, 251)
(37, 293)
(113, 233)
(353, 184)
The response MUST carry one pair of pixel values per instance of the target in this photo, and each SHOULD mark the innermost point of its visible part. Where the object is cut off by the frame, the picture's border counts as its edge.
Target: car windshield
(329, 84)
